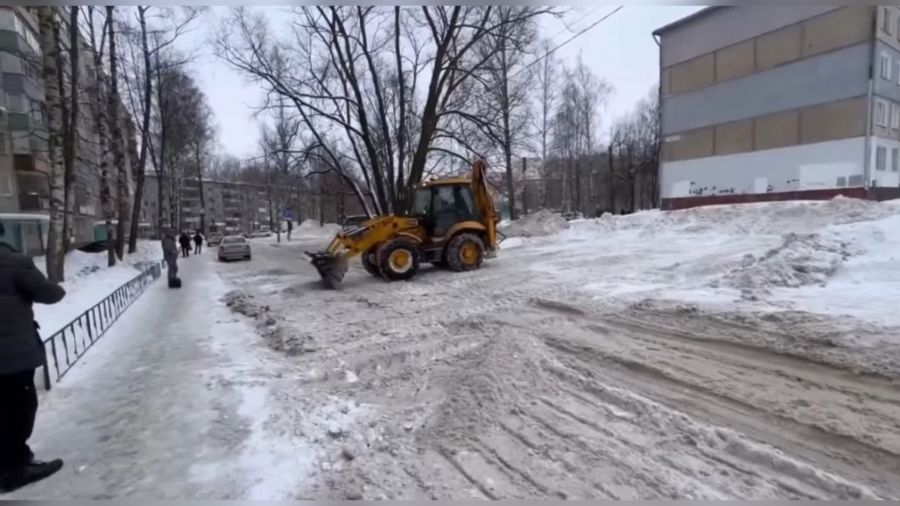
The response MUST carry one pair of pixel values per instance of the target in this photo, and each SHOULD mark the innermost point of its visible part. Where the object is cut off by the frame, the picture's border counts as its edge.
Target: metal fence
(67, 345)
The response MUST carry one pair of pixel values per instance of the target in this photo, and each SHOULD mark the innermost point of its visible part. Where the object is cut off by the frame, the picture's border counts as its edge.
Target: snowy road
(504, 383)
(530, 378)
(169, 404)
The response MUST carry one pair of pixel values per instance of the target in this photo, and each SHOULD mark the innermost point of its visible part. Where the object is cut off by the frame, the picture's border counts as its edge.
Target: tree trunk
(70, 121)
(145, 134)
(56, 247)
(117, 136)
(98, 111)
(200, 188)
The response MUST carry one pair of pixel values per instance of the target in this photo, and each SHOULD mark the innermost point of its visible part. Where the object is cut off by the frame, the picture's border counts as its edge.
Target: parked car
(234, 247)
(214, 239)
(260, 233)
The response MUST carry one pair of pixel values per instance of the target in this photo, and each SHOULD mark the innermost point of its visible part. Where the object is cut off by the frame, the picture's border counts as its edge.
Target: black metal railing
(67, 345)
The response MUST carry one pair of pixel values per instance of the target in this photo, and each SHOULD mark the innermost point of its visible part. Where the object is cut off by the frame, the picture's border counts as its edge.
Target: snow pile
(278, 336)
(541, 223)
(310, 229)
(801, 259)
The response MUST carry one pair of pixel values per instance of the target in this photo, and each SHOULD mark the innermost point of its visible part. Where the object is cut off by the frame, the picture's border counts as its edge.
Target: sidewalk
(171, 403)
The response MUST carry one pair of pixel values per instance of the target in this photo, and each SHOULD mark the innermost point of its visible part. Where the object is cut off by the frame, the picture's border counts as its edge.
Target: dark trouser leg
(19, 400)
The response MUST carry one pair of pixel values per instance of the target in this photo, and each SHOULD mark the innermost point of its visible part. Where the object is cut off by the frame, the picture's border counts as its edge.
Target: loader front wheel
(398, 259)
(370, 261)
(465, 252)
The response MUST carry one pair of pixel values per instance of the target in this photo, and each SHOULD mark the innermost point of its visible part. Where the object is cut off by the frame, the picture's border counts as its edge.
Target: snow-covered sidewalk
(89, 280)
(171, 403)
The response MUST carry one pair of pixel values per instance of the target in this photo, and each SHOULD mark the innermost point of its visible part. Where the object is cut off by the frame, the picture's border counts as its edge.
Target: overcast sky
(620, 50)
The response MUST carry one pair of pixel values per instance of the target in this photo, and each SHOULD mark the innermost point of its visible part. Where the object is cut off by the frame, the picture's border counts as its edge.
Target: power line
(570, 39)
(568, 26)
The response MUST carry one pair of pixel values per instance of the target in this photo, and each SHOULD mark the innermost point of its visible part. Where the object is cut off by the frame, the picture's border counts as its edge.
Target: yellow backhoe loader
(451, 223)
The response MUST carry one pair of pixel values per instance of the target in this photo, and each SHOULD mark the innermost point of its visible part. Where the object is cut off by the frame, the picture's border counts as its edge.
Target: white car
(260, 233)
(234, 247)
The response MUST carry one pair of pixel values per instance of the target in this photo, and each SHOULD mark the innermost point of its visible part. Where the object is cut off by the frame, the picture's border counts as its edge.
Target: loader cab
(444, 203)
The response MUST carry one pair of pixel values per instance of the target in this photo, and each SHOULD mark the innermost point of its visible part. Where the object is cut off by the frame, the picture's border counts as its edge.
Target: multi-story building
(24, 168)
(229, 207)
(777, 103)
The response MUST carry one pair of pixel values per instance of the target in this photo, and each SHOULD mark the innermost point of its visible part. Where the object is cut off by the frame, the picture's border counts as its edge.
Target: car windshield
(233, 240)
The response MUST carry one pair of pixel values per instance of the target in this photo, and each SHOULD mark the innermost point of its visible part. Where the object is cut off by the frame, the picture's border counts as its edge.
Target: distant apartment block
(780, 102)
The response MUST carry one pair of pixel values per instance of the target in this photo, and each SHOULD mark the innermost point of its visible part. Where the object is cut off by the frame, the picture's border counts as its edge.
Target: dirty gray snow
(536, 224)
(659, 355)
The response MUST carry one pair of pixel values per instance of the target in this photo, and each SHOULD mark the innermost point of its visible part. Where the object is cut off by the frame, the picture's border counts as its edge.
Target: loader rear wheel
(465, 252)
(398, 259)
(370, 261)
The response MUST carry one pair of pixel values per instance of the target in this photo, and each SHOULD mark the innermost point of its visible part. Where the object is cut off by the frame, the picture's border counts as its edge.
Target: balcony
(33, 202)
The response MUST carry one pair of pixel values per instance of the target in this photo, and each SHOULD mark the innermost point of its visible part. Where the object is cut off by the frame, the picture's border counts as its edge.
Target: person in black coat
(185, 241)
(198, 243)
(21, 353)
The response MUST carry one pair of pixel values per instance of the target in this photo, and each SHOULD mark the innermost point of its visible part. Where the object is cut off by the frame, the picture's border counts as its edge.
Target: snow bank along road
(526, 380)
(169, 404)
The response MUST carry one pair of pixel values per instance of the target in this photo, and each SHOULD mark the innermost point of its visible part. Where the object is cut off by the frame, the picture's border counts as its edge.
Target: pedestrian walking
(170, 254)
(290, 225)
(198, 243)
(185, 241)
(21, 353)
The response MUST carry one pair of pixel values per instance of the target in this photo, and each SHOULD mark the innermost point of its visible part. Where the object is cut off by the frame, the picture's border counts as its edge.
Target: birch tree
(50, 49)
(117, 136)
(98, 99)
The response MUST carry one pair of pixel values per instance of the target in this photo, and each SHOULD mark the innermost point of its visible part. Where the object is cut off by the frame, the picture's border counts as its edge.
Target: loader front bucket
(331, 267)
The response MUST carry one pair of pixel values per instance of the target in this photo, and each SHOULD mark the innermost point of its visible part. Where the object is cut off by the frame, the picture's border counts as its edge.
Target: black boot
(18, 477)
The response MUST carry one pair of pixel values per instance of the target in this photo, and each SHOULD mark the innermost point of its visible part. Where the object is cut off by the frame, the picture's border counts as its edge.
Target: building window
(881, 114)
(895, 116)
(880, 158)
(6, 184)
(886, 66)
(3, 149)
(895, 159)
(886, 20)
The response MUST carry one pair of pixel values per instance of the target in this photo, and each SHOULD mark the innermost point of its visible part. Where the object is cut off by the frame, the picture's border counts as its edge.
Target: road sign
(289, 214)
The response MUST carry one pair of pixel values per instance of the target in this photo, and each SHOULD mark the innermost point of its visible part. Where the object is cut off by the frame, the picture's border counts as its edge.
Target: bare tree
(69, 100)
(98, 98)
(334, 70)
(50, 48)
(146, 42)
(502, 111)
(576, 122)
(117, 135)
(547, 79)
(282, 165)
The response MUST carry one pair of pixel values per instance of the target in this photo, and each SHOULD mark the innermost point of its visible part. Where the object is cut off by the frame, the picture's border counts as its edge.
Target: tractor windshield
(421, 202)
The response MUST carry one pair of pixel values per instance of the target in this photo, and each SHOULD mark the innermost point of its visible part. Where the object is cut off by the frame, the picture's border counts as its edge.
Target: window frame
(895, 159)
(895, 117)
(881, 113)
(887, 67)
(886, 20)
(880, 158)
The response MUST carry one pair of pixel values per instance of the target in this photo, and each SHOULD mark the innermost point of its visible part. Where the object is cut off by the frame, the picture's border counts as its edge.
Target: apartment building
(229, 207)
(24, 168)
(780, 102)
